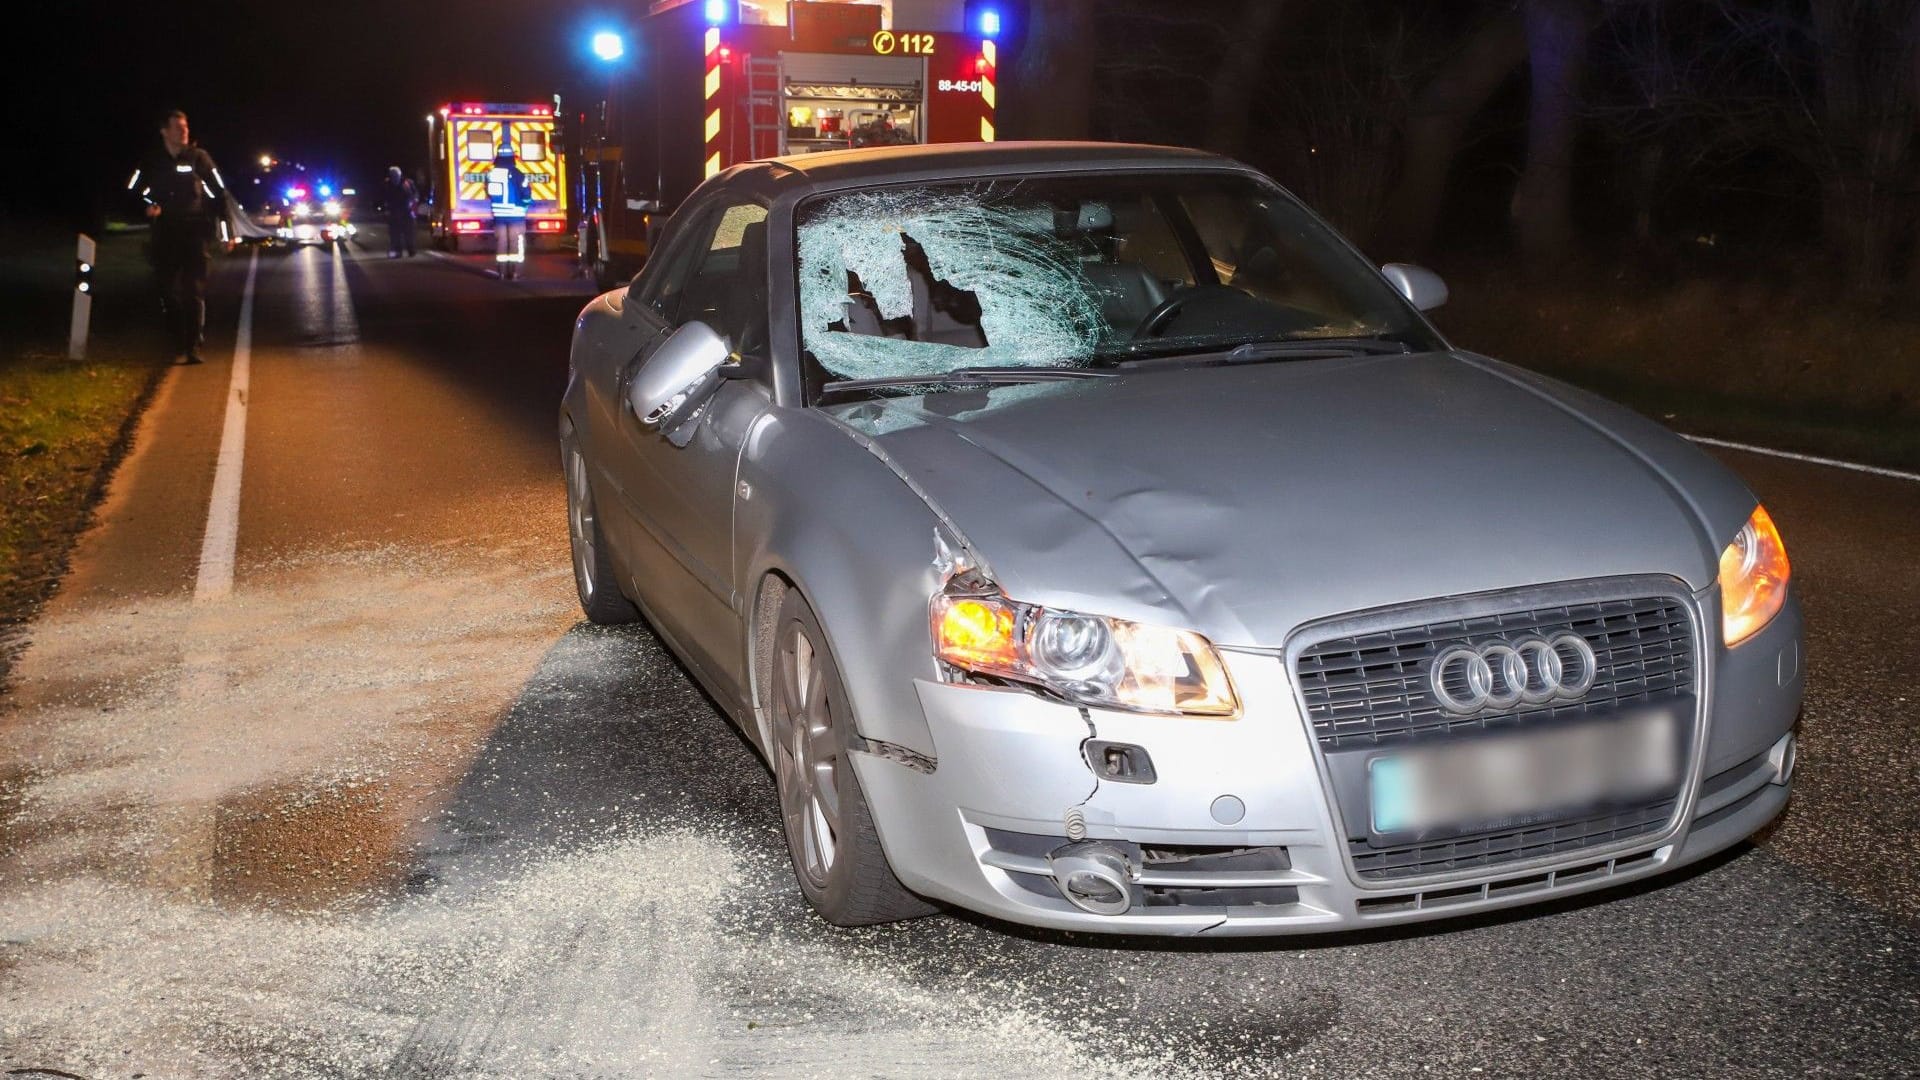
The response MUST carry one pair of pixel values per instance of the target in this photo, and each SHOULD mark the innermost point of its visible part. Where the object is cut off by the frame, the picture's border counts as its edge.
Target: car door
(607, 370)
(682, 497)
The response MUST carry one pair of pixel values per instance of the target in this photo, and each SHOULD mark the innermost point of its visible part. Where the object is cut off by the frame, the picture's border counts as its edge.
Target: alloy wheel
(807, 756)
(580, 521)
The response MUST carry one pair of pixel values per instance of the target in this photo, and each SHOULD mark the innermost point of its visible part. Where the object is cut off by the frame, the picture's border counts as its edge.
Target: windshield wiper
(1257, 351)
(970, 376)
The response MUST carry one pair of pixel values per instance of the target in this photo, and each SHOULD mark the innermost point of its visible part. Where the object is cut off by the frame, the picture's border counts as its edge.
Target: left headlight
(1753, 578)
(1086, 659)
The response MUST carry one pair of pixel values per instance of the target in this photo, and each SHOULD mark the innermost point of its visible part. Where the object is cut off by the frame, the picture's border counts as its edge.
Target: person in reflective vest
(507, 189)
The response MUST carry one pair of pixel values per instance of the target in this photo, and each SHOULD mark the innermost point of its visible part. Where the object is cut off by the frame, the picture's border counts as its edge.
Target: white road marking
(1766, 451)
(215, 582)
(346, 327)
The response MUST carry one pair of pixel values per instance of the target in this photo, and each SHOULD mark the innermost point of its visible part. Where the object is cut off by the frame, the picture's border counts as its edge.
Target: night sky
(342, 86)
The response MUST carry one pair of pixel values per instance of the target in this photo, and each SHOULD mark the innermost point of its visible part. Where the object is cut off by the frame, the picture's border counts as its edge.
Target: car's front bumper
(1010, 784)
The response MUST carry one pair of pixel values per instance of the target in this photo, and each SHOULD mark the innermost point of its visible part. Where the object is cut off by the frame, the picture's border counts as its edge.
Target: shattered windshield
(1073, 272)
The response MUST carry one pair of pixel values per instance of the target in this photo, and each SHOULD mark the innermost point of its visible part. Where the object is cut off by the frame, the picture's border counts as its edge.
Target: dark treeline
(1778, 133)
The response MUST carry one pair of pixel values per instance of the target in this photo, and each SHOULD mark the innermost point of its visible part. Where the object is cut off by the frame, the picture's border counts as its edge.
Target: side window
(726, 279)
(665, 277)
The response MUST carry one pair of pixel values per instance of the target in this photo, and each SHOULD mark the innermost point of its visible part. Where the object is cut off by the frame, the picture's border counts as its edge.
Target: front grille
(1494, 849)
(1367, 690)
(1371, 689)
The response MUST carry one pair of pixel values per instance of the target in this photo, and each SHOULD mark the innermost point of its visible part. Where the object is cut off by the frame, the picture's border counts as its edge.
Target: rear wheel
(830, 833)
(593, 574)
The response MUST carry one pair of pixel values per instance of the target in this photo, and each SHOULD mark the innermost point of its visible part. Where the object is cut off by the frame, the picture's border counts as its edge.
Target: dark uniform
(401, 199)
(192, 200)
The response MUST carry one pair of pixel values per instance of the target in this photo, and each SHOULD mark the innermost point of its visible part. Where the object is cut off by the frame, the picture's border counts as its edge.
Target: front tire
(830, 833)
(594, 577)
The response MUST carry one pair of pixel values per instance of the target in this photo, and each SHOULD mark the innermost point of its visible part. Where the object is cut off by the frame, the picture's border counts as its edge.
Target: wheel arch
(825, 517)
(878, 655)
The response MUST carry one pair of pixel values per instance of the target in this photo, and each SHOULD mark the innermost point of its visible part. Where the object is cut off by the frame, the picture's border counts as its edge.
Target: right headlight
(1753, 578)
(1086, 659)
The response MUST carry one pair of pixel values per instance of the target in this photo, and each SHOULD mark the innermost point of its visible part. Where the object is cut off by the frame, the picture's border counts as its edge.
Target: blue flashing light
(989, 23)
(326, 189)
(717, 11)
(609, 46)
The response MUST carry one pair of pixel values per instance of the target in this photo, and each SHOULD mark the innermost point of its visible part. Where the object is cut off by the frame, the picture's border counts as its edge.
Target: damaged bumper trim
(901, 755)
(1030, 864)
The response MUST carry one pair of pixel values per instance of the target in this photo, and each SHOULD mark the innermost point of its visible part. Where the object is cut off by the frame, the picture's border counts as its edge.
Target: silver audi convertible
(1089, 537)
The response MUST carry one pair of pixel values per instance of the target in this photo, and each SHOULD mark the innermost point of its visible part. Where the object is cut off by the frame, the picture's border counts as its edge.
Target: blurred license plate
(1513, 780)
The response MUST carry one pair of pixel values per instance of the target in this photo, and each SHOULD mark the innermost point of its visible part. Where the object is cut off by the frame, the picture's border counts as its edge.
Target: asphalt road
(390, 808)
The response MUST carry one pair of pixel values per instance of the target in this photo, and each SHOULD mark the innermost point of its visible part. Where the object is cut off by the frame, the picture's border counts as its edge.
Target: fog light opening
(1094, 877)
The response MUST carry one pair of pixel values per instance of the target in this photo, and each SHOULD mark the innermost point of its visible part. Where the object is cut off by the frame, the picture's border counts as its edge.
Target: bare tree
(1557, 33)
(1052, 73)
(1870, 93)
(1332, 129)
(1437, 120)
(1236, 82)
(1831, 84)
(1699, 90)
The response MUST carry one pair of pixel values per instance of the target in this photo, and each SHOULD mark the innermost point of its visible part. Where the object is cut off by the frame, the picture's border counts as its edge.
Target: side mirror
(679, 377)
(1421, 286)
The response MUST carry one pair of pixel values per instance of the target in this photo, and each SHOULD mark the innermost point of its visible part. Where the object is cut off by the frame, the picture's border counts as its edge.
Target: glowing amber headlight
(1753, 578)
(1087, 659)
(975, 633)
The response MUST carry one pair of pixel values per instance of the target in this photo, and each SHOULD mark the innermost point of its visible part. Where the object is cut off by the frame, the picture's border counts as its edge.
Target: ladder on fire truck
(764, 111)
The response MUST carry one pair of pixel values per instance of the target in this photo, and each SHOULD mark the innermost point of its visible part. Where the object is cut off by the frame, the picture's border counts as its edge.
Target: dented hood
(1244, 501)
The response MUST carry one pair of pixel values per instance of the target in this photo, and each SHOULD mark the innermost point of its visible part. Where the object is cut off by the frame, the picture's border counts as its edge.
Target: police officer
(401, 199)
(507, 190)
(186, 203)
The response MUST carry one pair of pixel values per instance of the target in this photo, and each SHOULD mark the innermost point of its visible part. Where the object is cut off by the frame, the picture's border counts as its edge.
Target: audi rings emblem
(1500, 675)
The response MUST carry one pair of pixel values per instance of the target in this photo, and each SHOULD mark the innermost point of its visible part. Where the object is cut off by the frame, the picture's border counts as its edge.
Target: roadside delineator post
(82, 299)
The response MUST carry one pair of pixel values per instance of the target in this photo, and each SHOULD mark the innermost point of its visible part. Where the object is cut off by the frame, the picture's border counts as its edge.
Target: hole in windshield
(942, 311)
(918, 281)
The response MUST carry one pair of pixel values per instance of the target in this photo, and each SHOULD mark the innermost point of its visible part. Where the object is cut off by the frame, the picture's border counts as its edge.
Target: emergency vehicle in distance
(466, 139)
(314, 214)
(712, 83)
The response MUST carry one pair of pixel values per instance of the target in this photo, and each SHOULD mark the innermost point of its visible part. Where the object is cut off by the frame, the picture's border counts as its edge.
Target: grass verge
(1823, 430)
(1732, 360)
(63, 426)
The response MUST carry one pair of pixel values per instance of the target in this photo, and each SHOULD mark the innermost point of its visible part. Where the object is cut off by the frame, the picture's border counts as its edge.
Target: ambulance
(467, 138)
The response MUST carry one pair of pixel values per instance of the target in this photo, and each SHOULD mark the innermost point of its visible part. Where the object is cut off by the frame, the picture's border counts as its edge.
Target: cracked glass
(1071, 272)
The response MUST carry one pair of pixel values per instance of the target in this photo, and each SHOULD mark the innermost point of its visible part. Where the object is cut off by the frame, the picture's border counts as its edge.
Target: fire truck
(718, 82)
(467, 138)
